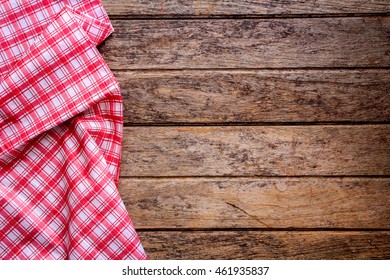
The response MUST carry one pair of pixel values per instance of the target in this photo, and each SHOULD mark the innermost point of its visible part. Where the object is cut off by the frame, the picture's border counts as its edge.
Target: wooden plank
(266, 245)
(256, 151)
(249, 43)
(225, 203)
(255, 96)
(218, 8)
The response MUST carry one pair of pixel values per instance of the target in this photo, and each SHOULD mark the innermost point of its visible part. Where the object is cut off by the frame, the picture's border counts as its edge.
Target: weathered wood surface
(256, 151)
(249, 43)
(266, 245)
(223, 203)
(218, 8)
(255, 96)
(244, 71)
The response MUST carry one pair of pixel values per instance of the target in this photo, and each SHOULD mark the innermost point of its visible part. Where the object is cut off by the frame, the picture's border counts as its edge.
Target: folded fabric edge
(97, 30)
(6, 117)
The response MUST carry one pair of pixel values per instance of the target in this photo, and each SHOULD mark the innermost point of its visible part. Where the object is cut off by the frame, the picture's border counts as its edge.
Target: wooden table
(255, 129)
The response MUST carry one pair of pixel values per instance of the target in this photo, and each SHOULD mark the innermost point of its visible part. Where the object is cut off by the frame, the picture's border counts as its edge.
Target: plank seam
(265, 70)
(265, 229)
(259, 177)
(237, 16)
(222, 69)
(261, 124)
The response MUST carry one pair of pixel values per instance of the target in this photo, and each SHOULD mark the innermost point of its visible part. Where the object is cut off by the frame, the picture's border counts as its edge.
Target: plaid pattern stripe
(60, 136)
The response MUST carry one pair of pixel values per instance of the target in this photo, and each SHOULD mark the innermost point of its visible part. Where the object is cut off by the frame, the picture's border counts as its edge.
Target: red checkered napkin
(60, 136)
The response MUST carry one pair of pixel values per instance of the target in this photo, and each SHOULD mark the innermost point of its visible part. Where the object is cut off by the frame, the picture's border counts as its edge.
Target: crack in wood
(246, 213)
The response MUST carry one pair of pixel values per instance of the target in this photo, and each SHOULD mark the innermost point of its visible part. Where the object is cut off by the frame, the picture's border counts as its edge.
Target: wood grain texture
(224, 203)
(249, 43)
(218, 8)
(256, 151)
(255, 96)
(242, 68)
(266, 245)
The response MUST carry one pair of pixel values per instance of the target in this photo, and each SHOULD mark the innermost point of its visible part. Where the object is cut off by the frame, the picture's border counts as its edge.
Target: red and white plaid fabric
(61, 127)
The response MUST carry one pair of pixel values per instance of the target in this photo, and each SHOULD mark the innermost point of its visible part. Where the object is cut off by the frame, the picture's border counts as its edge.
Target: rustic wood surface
(254, 96)
(249, 43)
(256, 129)
(257, 151)
(207, 8)
(226, 203)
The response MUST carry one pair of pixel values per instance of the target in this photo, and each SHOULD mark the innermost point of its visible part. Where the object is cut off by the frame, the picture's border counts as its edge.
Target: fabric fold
(61, 76)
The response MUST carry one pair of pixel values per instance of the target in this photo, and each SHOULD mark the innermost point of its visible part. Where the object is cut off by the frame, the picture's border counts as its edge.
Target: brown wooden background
(255, 129)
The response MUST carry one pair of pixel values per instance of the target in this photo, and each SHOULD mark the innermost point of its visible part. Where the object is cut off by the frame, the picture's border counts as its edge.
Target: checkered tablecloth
(61, 125)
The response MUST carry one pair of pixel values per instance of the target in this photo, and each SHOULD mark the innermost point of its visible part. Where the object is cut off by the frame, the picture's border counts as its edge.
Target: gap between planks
(253, 177)
(249, 69)
(260, 124)
(292, 229)
(222, 17)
